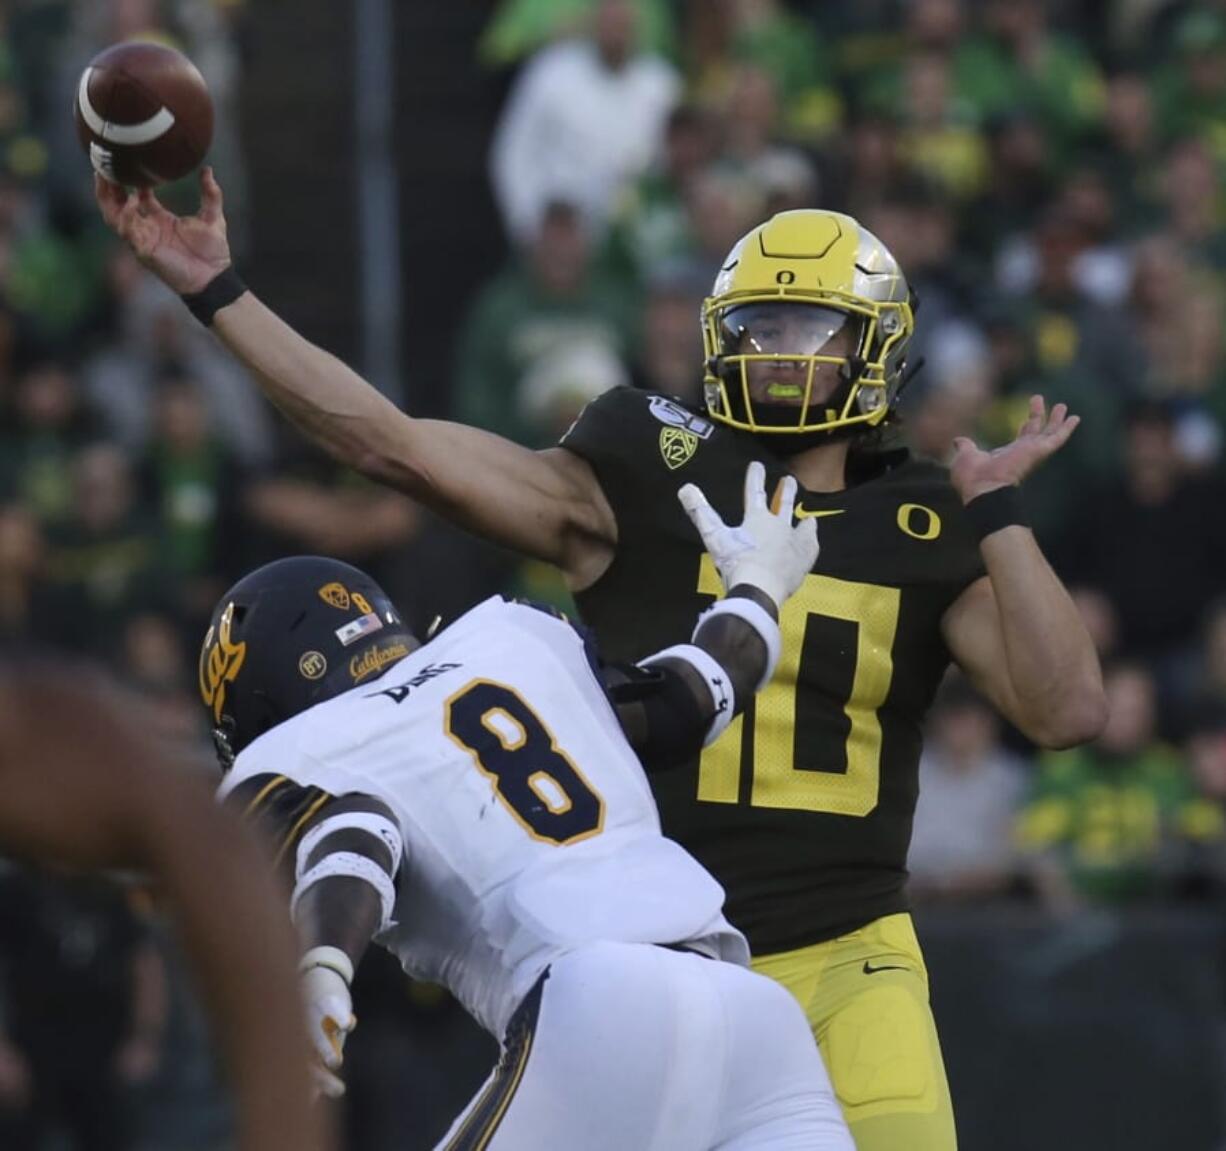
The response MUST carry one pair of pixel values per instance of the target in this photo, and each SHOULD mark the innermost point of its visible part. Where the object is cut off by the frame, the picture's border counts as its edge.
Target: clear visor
(789, 330)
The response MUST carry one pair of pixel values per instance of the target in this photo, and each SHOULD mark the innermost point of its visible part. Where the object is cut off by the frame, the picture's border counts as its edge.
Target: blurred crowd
(1050, 176)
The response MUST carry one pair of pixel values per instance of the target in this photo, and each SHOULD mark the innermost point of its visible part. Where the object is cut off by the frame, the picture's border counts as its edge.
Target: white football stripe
(124, 134)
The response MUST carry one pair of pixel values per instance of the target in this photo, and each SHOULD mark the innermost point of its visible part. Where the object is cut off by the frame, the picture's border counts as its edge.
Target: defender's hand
(974, 471)
(330, 1019)
(765, 550)
(185, 252)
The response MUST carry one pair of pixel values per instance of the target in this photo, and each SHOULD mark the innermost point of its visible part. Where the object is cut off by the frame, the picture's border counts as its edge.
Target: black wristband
(223, 289)
(764, 601)
(999, 508)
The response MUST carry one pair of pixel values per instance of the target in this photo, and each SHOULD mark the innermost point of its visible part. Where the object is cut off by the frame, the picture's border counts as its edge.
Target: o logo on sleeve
(919, 522)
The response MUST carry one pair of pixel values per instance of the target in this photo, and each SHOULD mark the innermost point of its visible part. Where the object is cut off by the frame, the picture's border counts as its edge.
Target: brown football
(143, 114)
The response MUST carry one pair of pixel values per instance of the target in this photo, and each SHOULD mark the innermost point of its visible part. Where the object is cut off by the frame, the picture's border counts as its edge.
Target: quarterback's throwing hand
(185, 252)
(765, 549)
(330, 1019)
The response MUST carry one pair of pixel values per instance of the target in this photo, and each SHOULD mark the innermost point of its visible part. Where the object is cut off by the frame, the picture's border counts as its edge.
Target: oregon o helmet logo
(312, 664)
(919, 522)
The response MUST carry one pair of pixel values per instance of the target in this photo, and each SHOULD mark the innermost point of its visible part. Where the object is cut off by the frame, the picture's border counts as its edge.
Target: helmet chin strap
(222, 734)
(784, 415)
(792, 445)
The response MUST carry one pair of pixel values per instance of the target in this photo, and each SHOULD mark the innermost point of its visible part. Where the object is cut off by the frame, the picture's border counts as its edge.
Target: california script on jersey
(528, 824)
(803, 808)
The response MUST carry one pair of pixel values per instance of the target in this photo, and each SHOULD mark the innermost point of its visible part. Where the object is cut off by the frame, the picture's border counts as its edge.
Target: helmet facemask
(783, 366)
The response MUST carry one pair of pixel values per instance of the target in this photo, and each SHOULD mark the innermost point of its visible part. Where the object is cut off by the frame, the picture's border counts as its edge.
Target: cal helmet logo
(335, 595)
(220, 662)
(677, 446)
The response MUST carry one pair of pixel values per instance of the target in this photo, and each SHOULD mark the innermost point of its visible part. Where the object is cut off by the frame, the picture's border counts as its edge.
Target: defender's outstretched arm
(675, 702)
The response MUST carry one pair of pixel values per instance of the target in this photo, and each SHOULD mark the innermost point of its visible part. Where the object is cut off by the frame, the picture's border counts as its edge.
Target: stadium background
(1049, 176)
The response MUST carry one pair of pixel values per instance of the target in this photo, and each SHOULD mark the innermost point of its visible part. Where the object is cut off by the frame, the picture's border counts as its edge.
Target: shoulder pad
(538, 605)
(627, 415)
(591, 649)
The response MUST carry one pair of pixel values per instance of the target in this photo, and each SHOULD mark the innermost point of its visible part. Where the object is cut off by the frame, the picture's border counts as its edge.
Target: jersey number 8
(533, 777)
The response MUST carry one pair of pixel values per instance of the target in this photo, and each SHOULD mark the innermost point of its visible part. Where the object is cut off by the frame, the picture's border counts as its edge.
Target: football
(143, 114)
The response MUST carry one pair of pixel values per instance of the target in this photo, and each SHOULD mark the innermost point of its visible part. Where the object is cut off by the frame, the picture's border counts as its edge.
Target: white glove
(330, 1016)
(765, 550)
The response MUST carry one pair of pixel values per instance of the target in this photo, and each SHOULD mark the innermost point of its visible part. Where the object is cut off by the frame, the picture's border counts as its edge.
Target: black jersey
(803, 808)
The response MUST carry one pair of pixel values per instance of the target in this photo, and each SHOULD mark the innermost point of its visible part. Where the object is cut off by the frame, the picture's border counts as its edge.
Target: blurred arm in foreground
(82, 784)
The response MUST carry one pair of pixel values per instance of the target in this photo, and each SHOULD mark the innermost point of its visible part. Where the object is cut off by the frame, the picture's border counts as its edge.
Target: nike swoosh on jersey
(805, 513)
(870, 970)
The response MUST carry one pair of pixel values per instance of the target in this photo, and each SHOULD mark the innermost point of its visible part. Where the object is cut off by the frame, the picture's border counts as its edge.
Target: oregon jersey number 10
(778, 781)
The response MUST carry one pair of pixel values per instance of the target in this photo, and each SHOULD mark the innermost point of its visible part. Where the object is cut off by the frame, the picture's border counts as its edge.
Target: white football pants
(632, 1047)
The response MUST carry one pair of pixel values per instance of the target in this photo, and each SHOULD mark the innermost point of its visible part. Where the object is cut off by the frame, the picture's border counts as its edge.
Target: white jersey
(529, 825)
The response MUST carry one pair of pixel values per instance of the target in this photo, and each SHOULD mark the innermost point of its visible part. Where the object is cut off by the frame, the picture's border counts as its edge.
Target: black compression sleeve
(664, 709)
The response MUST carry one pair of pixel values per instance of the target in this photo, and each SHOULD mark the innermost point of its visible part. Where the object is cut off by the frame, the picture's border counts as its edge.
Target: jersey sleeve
(611, 434)
(280, 809)
(940, 549)
(283, 791)
(642, 447)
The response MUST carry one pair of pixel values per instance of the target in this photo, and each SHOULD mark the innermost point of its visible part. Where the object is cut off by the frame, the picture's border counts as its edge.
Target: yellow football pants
(866, 998)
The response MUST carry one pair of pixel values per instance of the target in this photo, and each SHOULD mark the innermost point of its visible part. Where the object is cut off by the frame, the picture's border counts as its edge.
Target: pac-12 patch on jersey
(677, 446)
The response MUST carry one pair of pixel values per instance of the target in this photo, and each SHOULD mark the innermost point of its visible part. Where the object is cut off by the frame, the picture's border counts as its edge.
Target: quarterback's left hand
(766, 550)
(974, 471)
(330, 1019)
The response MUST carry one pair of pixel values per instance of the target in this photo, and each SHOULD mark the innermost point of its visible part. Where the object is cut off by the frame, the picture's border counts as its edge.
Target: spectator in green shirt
(1127, 151)
(1017, 187)
(651, 226)
(48, 424)
(547, 305)
(726, 35)
(519, 27)
(1109, 822)
(1019, 63)
(1072, 350)
(103, 562)
(1192, 192)
(1190, 89)
(190, 481)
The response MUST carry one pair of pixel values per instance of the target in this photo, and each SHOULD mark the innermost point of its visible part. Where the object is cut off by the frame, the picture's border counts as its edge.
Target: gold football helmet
(806, 329)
